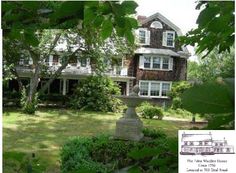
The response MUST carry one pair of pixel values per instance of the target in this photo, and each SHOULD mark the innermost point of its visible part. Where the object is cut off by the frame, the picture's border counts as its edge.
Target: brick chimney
(141, 18)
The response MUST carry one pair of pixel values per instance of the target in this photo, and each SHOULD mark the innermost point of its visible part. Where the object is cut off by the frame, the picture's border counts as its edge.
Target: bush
(176, 103)
(75, 156)
(147, 110)
(27, 107)
(96, 93)
(176, 90)
(105, 155)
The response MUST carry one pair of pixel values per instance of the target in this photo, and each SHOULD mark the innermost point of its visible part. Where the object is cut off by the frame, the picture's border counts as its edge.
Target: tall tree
(91, 23)
(212, 66)
(215, 32)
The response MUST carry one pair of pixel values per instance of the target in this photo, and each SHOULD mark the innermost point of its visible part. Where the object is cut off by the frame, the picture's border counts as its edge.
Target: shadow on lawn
(46, 132)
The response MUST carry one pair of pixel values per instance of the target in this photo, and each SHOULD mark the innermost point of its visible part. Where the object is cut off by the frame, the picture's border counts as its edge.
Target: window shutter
(148, 37)
(141, 62)
(171, 64)
(164, 39)
(137, 35)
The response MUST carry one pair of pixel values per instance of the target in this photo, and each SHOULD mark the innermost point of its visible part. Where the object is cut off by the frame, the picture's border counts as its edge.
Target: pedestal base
(129, 129)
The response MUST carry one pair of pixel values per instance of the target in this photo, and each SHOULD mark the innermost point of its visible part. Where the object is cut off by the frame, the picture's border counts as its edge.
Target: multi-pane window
(156, 63)
(165, 89)
(170, 39)
(147, 62)
(144, 88)
(165, 63)
(154, 88)
(142, 36)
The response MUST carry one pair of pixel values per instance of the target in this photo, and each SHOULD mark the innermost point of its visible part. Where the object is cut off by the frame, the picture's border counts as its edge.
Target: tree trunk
(33, 84)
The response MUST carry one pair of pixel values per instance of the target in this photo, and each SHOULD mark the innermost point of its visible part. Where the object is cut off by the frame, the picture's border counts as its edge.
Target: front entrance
(122, 86)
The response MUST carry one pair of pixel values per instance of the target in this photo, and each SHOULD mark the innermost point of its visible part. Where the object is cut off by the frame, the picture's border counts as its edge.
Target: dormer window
(143, 36)
(168, 39)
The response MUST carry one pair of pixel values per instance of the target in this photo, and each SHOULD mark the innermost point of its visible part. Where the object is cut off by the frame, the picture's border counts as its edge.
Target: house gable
(156, 34)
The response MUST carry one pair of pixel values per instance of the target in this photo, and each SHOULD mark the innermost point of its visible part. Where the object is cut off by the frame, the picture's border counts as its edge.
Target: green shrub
(153, 133)
(27, 107)
(147, 110)
(176, 103)
(102, 154)
(75, 157)
(96, 93)
(178, 88)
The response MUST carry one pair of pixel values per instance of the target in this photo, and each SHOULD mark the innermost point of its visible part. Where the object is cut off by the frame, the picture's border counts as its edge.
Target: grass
(44, 133)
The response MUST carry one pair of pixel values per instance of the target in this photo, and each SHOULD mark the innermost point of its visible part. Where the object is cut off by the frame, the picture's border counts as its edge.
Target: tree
(215, 32)
(92, 24)
(213, 66)
(215, 27)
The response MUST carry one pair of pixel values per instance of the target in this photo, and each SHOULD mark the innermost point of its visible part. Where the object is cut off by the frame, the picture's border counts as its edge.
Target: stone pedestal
(129, 129)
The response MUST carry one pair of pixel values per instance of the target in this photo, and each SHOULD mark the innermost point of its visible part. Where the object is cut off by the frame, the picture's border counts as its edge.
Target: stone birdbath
(129, 127)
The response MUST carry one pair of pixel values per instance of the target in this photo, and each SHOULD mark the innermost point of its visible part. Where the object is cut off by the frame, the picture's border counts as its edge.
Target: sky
(180, 12)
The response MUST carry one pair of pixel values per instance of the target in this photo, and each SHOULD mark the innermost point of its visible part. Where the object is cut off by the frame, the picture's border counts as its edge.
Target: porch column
(127, 88)
(64, 87)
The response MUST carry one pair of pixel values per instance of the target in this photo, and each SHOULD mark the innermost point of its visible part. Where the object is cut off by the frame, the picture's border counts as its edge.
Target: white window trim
(161, 63)
(147, 36)
(172, 32)
(149, 88)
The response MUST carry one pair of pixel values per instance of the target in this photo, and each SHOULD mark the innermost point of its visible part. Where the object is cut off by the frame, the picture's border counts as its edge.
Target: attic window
(156, 25)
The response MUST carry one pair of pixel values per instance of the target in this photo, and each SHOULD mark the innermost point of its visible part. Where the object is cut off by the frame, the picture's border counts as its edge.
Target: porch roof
(145, 50)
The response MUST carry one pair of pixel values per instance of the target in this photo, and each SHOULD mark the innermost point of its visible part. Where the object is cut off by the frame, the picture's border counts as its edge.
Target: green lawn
(45, 132)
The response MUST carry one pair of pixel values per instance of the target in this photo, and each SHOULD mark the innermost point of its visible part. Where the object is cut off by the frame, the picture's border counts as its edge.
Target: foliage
(176, 90)
(179, 113)
(208, 98)
(31, 107)
(209, 35)
(214, 98)
(212, 66)
(21, 163)
(147, 110)
(35, 36)
(114, 155)
(96, 93)
(101, 15)
(176, 103)
(75, 157)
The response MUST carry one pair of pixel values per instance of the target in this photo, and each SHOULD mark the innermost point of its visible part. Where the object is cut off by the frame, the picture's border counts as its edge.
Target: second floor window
(156, 62)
